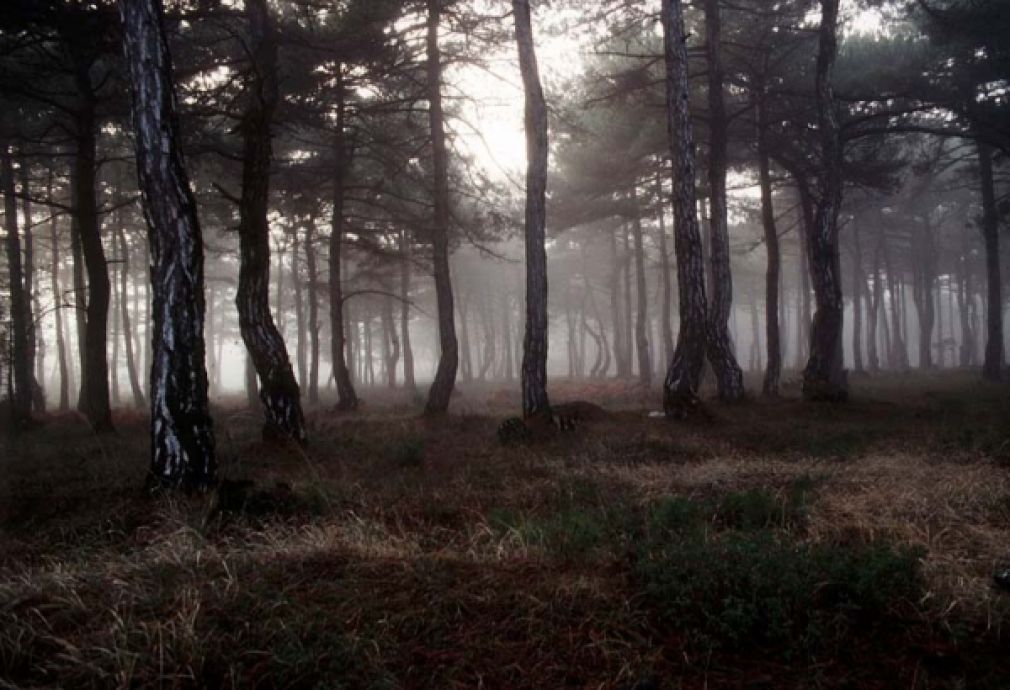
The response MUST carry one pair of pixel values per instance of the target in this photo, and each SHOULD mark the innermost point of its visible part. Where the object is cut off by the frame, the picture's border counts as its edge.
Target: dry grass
(419, 554)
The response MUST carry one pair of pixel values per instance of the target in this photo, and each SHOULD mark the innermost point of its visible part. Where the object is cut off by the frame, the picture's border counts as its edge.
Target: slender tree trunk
(445, 374)
(680, 388)
(898, 350)
(36, 345)
(628, 322)
(116, 327)
(664, 270)
(95, 369)
(924, 280)
(279, 391)
(312, 295)
(58, 301)
(131, 363)
(182, 440)
(80, 294)
(992, 365)
(642, 312)
(21, 401)
(300, 327)
(534, 371)
(773, 369)
(617, 323)
(719, 345)
(858, 289)
(506, 308)
(824, 376)
(392, 341)
(875, 298)
(346, 395)
(408, 352)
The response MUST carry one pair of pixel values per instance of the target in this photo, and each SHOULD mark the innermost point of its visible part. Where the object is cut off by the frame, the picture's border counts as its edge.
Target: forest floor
(775, 545)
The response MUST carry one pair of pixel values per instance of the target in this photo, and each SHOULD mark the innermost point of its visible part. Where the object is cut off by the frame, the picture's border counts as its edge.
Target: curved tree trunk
(448, 361)
(719, 346)
(182, 439)
(279, 391)
(824, 376)
(680, 389)
(534, 371)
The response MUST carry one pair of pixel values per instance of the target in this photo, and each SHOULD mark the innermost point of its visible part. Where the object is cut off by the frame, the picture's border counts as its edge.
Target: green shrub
(753, 589)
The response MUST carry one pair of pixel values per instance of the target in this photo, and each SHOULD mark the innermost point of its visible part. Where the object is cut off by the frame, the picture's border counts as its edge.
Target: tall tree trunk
(116, 330)
(95, 369)
(992, 365)
(312, 295)
(36, 345)
(408, 352)
(628, 334)
(773, 369)
(875, 299)
(448, 361)
(617, 323)
(346, 396)
(506, 307)
(642, 311)
(465, 359)
(719, 345)
(182, 439)
(680, 389)
(666, 326)
(534, 372)
(898, 350)
(392, 341)
(279, 391)
(924, 280)
(80, 293)
(131, 362)
(21, 402)
(824, 376)
(58, 301)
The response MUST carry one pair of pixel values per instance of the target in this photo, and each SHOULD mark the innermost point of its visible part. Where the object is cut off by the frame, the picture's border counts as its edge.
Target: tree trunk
(617, 324)
(58, 301)
(680, 389)
(116, 330)
(182, 440)
(300, 327)
(36, 345)
(924, 280)
(898, 351)
(858, 289)
(312, 295)
(392, 341)
(534, 370)
(875, 299)
(131, 363)
(664, 270)
(992, 365)
(773, 369)
(719, 345)
(279, 391)
(824, 376)
(95, 369)
(408, 352)
(21, 401)
(448, 361)
(628, 335)
(642, 310)
(346, 396)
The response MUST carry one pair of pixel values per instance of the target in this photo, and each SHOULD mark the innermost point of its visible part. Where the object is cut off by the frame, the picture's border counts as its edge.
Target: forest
(631, 344)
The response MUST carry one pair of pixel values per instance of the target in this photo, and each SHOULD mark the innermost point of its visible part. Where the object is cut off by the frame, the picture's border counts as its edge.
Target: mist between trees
(718, 188)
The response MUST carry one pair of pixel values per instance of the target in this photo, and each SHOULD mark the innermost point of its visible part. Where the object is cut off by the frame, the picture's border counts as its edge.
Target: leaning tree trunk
(346, 396)
(21, 402)
(182, 439)
(824, 376)
(992, 365)
(95, 369)
(719, 345)
(448, 361)
(680, 389)
(773, 334)
(534, 371)
(279, 391)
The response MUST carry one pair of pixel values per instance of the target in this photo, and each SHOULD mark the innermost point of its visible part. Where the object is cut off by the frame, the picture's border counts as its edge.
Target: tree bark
(131, 362)
(666, 325)
(773, 334)
(279, 390)
(445, 374)
(534, 369)
(680, 389)
(858, 289)
(300, 327)
(719, 345)
(58, 301)
(824, 376)
(408, 352)
(992, 365)
(312, 295)
(182, 439)
(36, 345)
